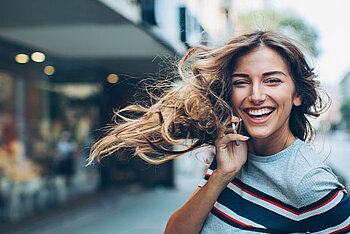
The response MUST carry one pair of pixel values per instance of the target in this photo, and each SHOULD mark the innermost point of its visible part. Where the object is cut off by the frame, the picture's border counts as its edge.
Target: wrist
(223, 178)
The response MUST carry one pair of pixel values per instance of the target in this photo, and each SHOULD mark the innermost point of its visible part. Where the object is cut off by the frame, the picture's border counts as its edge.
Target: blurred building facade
(93, 55)
(64, 68)
(52, 106)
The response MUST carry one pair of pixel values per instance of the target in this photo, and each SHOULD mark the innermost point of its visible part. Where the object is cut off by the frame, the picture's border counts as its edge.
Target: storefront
(45, 136)
(13, 161)
(48, 123)
(52, 109)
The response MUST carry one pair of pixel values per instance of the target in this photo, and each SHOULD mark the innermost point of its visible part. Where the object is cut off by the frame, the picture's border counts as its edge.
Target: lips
(259, 113)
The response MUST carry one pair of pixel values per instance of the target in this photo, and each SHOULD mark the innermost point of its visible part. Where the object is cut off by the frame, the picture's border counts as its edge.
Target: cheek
(237, 97)
(286, 101)
(285, 96)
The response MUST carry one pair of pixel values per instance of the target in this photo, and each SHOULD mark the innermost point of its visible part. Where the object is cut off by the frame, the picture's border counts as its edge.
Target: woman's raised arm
(230, 158)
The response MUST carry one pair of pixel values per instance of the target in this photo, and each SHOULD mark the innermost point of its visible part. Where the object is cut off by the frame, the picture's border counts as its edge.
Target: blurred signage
(77, 91)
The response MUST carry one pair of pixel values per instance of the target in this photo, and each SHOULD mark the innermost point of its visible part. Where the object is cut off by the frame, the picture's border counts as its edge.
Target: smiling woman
(273, 181)
(263, 95)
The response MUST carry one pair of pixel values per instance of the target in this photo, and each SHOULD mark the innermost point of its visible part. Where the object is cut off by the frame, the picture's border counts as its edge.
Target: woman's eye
(239, 82)
(273, 81)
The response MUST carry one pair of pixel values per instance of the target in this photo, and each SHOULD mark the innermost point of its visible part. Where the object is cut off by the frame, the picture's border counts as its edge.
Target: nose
(257, 94)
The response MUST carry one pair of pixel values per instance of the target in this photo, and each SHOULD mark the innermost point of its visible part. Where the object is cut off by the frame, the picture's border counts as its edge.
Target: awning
(84, 30)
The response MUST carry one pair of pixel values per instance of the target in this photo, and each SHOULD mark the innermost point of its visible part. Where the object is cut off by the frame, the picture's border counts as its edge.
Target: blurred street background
(66, 65)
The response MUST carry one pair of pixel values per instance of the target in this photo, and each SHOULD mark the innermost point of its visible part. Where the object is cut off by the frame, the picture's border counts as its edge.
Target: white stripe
(281, 211)
(336, 228)
(204, 181)
(235, 216)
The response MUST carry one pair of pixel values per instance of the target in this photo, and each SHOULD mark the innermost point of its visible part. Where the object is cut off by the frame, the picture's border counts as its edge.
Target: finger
(235, 119)
(231, 137)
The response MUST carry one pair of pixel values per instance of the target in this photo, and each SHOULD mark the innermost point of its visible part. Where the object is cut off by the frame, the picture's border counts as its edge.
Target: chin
(259, 135)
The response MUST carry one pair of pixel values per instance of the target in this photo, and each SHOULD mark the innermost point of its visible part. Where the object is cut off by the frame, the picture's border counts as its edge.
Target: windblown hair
(199, 110)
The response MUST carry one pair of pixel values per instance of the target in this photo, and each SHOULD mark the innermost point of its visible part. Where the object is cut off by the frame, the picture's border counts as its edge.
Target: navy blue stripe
(321, 201)
(331, 218)
(275, 221)
(270, 198)
(237, 225)
(254, 212)
(213, 164)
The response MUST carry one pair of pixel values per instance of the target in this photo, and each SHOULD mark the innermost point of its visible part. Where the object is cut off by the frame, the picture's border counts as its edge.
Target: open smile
(259, 113)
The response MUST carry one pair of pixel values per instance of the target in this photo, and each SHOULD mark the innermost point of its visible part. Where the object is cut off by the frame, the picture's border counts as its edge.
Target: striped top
(289, 192)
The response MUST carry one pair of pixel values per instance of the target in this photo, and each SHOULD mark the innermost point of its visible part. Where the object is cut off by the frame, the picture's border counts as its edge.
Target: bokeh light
(38, 57)
(112, 78)
(49, 70)
(22, 58)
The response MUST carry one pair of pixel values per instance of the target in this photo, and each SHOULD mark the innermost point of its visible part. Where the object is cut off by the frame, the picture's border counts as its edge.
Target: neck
(270, 145)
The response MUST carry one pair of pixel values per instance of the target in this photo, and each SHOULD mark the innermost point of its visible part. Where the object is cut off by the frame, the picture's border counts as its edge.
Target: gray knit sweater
(291, 191)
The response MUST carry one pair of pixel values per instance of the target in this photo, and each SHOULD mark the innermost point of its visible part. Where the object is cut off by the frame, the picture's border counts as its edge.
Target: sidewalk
(131, 210)
(20, 199)
(56, 212)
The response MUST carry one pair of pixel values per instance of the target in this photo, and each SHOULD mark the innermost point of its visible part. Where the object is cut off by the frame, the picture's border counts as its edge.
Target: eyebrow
(240, 75)
(264, 74)
(274, 73)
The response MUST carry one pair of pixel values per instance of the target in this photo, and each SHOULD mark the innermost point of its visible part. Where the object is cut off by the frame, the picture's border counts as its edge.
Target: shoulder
(309, 155)
(304, 159)
(311, 178)
(299, 159)
(317, 179)
(316, 184)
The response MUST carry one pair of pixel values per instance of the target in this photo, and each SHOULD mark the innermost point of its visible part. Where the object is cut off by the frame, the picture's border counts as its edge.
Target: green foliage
(289, 23)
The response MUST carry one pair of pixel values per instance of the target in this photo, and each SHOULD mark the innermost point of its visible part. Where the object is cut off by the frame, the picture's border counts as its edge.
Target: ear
(297, 100)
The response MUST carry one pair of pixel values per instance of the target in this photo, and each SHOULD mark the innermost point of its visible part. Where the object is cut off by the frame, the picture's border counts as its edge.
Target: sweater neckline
(276, 156)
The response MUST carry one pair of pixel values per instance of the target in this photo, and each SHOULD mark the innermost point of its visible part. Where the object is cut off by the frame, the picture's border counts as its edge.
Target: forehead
(262, 59)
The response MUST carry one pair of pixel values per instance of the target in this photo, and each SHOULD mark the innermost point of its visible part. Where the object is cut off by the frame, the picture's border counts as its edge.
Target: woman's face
(263, 93)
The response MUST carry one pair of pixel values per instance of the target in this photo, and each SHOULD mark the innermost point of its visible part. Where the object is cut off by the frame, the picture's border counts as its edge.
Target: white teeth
(257, 112)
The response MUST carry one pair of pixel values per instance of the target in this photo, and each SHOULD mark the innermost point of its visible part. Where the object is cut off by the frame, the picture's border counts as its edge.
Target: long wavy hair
(196, 112)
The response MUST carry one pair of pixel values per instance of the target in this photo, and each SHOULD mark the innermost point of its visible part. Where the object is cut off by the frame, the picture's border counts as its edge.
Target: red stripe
(235, 220)
(285, 208)
(343, 229)
(322, 204)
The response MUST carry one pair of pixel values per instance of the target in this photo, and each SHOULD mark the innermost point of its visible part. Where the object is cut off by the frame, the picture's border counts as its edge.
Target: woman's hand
(230, 157)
